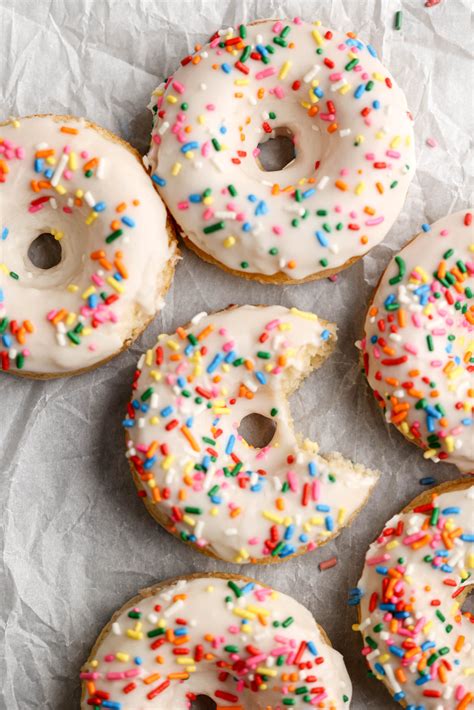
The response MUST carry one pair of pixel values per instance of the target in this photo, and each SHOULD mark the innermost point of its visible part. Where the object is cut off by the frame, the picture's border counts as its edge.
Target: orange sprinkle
(341, 185)
(379, 187)
(66, 129)
(204, 333)
(44, 153)
(190, 438)
(155, 494)
(151, 678)
(60, 315)
(90, 164)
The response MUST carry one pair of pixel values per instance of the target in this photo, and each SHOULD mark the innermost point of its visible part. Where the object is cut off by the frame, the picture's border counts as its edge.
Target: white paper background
(76, 541)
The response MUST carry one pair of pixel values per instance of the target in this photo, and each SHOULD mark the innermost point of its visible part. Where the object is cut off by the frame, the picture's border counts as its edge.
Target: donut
(260, 649)
(352, 136)
(418, 345)
(72, 186)
(417, 639)
(198, 476)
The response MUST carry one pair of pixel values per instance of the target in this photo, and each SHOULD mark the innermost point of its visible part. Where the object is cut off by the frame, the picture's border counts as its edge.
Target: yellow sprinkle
(341, 516)
(72, 288)
(88, 292)
(429, 453)
(184, 660)
(201, 120)
(91, 217)
(60, 190)
(241, 82)
(344, 89)
(149, 356)
(470, 560)
(51, 160)
(166, 464)
(244, 614)
(71, 317)
(135, 635)
(258, 610)
(72, 163)
(427, 627)
(392, 545)
(120, 656)
(267, 671)
(303, 314)
(272, 516)
(395, 142)
(171, 99)
(379, 77)
(175, 169)
(221, 410)
(190, 155)
(360, 188)
(317, 38)
(115, 284)
(284, 70)
(173, 345)
(154, 420)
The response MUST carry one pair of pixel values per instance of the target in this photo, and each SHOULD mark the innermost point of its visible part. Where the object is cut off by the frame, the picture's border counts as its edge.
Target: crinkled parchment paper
(76, 542)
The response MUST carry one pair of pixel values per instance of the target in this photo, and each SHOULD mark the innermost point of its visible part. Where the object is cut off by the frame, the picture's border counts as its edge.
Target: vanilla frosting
(65, 177)
(419, 341)
(416, 639)
(353, 140)
(194, 470)
(240, 643)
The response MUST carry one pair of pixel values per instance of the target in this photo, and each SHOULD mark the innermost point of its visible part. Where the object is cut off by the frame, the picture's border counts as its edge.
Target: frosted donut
(353, 140)
(196, 474)
(258, 649)
(85, 190)
(415, 579)
(419, 341)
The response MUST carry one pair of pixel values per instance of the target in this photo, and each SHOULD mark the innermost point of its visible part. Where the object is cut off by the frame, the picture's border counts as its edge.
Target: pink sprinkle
(210, 107)
(156, 138)
(411, 348)
(277, 230)
(377, 560)
(277, 27)
(392, 153)
(269, 71)
(374, 220)
(432, 3)
(206, 148)
(335, 76)
(272, 324)
(297, 21)
(20, 153)
(208, 213)
(177, 86)
(279, 93)
(84, 154)
(431, 142)
(183, 205)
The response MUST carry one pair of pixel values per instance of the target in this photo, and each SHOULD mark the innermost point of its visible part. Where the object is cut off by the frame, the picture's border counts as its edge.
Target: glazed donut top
(258, 649)
(71, 179)
(416, 638)
(192, 391)
(352, 133)
(419, 341)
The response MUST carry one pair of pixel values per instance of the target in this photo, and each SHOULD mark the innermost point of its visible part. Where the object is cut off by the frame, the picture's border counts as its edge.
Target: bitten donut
(222, 636)
(66, 181)
(353, 140)
(416, 576)
(198, 476)
(419, 341)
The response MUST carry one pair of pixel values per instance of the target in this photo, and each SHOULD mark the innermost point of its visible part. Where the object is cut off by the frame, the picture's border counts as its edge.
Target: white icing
(119, 178)
(429, 321)
(423, 582)
(370, 156)
(245, 623)
(240, 495)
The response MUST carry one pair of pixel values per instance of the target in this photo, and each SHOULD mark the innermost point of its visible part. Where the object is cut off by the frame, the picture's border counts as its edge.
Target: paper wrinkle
(76, 542)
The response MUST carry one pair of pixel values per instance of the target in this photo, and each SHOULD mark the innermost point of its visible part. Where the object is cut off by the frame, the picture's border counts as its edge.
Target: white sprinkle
(163, 128)
(323, 182)
(59, 170)
(116, 630)
(345, 132)
(198, 317)
(309, 76)
(89, 198)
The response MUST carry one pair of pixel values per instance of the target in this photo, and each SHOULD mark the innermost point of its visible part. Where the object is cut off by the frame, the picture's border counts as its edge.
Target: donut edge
(168, 272)
(423, 498)
(163, 521)
(161, 586)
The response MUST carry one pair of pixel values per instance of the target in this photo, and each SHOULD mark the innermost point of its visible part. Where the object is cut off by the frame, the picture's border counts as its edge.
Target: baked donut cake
(258, 649)
(72, 187)
(352, 135)
(197, 474)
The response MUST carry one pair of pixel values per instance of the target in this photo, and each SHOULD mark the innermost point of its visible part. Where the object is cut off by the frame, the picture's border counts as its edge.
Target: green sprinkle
(72, 336)
(429, 341)
(273, 251)
(264, 355)
(440, 615)
(232, 190)
(398, 20)
(134, 615)
(234, 588)
(3, 325)
(287, 622)
(434, 516)
(242, 31)
(88, 173)
(448, 253)
(244, 264)
(14, 276)
(370, 642)
(184, 106)
(273, 412)
(193, 510)
(216, 144)
(231, 649)
(350, 65)
(245, 54)
(285, 31)
(155, 632)
(20, 360)
(147, 394)
(115, 235)
(401, 271)
(213, 227)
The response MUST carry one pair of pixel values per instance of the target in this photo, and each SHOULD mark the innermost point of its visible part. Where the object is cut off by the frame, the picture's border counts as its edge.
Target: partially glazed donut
(84, 189)
(198, 476)
(222, 636)
(415, 579)
(353, 138)
(419, 341)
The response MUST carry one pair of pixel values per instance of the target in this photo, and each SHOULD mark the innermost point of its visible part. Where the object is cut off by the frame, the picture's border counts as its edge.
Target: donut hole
(257, 430)
(203, 702)
(45, 251)
(277, 151)
(467, 605)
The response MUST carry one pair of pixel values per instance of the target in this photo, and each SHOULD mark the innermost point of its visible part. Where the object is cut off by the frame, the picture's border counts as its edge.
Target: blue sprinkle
(433, 412)
(216, 500)
(426, 227)
(422, 680)
(7, 341)
(308, 193)
(317, 91)
(380, 569)
(451, 511)
(138, 661)
(230, 444)
(289, 532)
(386, 606)
(373, 339)
(223, 130)
(376, 104)
(136, 404)
(427, 481)
(93, 300)
(428, 644)
(261, 50)
(323, 508)
(447, 568)
(371, 50)
(189, 422)
(99, 207)
(379, 668)
(159, 180)
(39, 164)
(48, 173)
(249, 587)
(215, 363)
(261, 377)
(111, 704)
(467, 537)
(128, 221)
(246, 227)
(4, 233)
(149, 463)
(230, 357)
(167, 411)
(359, 91)
(325, 335)
(466, 422)
(399, 696)
(192, 145)
(181, 631)
(329, 523)
(205, 462)
(252, 198)
(397, 652)
(303, 537)
(128, 423)
(312, 468)
(188, 350)
(262, 208)
(322, 238)
(195, 198)
(287, 550)
(226, 68)
(312, 648)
